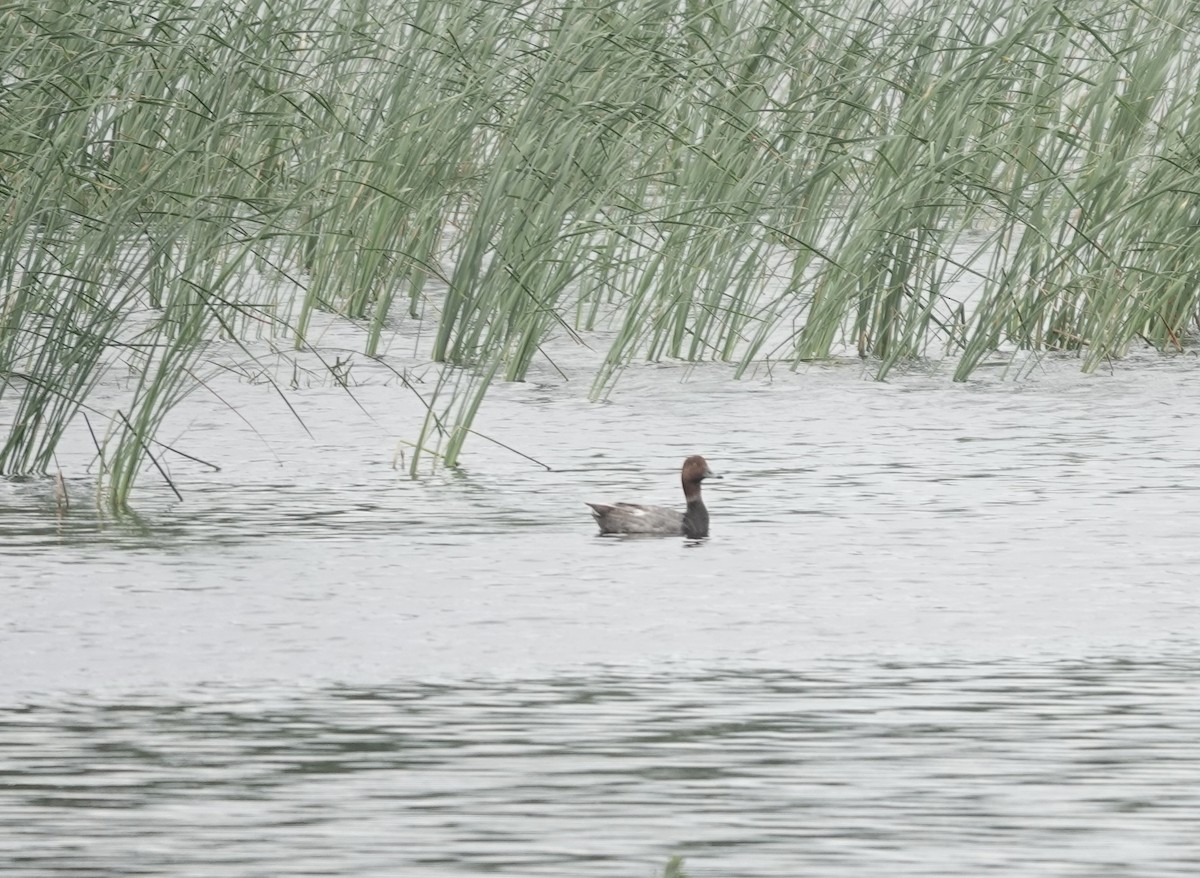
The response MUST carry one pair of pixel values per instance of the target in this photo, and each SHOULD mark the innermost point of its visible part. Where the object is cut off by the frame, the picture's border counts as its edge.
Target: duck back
(634, 518)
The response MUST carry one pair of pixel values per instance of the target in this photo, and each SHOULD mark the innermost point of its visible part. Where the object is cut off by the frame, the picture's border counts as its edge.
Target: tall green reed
(731, 181)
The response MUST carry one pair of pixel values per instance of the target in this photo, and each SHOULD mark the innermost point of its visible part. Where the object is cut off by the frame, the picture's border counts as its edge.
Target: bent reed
(734, 181)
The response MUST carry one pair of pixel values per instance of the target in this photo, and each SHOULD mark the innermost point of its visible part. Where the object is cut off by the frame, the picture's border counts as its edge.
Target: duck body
(634, 518)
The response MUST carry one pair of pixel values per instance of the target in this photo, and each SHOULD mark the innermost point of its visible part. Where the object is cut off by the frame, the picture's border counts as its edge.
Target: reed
(729, 180)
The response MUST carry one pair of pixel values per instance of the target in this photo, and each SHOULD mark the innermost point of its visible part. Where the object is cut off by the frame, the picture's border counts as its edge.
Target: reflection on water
(1070, 768)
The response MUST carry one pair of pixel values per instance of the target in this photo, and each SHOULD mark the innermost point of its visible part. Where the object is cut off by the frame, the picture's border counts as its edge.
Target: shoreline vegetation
(729, 181)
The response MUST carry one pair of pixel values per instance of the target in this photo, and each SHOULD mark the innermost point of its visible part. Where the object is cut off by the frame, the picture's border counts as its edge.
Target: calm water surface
(938, 630)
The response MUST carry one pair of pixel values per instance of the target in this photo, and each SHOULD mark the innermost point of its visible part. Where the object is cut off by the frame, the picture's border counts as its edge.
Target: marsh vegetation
(735, 181)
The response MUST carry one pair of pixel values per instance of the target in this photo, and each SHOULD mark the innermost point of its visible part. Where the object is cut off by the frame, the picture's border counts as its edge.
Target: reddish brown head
(695, 471)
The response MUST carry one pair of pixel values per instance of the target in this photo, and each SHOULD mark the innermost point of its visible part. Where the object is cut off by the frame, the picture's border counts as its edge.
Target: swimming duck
(633, 518)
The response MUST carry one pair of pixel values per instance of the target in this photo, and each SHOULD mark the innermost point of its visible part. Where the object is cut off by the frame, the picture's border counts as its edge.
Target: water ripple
(1062, 768)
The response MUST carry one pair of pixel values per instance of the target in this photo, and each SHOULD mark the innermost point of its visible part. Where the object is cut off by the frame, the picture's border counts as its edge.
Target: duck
(634, 518)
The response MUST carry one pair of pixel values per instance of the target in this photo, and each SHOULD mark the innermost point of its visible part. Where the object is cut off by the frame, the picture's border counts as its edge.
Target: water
(938, 630)
(1070, 768)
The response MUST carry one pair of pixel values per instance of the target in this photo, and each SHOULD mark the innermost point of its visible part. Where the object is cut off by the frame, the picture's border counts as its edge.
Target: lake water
(939, 629)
